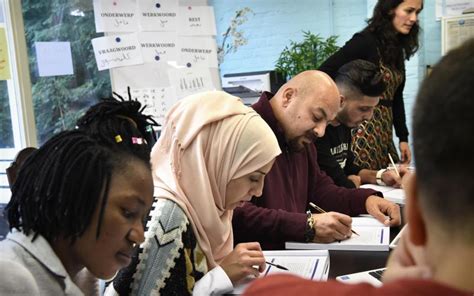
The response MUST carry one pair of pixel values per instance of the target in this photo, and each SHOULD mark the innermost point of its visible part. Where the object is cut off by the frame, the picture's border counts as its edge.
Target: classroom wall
(276, 22)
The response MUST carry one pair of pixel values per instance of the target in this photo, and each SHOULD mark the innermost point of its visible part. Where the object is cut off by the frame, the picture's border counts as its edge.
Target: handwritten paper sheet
(140, 76)
(54, 58)
(158, 15)
(115, 15)
(158, 47)
(157, 100)
(188, 81)
(4, 58)
(117, 50)
(197, 51)
(196, 21)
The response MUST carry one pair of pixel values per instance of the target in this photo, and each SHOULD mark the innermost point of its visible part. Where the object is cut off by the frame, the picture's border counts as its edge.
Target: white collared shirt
(35, 266)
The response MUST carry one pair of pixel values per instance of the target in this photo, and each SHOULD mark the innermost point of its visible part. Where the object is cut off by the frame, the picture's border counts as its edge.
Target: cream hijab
(209, 139)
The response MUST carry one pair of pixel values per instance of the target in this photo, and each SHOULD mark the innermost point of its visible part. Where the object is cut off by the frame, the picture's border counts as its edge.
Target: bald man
(298, 113)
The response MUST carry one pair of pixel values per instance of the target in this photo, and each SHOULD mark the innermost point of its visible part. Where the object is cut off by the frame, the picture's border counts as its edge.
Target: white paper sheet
(115, 15)
(373, 236)
(309, 264)
(140, 76)
(117, 50)
(158, 47)
(396, 195)
(192, 2)
(196, 21)
(161, 15)
(157, 100)
(451, 7)
(197, 51)
(54, 58)
(188, 81)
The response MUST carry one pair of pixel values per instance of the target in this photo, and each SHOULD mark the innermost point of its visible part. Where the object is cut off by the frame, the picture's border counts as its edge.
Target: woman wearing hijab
(213, 156)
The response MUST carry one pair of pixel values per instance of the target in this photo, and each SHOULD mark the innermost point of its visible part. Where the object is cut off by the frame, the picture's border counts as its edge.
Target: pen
(323, 211)
(394, 166)
(276, 265)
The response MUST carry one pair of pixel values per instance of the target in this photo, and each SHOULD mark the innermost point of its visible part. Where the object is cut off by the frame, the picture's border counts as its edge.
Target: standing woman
(213, 156)
(390, 38)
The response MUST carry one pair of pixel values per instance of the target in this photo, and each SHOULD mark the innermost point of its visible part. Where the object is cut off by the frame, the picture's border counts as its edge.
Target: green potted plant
(308, 54)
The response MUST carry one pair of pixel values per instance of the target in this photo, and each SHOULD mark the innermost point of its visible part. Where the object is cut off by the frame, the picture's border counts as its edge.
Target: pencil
(323, 211)
(276, 265)
(394, 166)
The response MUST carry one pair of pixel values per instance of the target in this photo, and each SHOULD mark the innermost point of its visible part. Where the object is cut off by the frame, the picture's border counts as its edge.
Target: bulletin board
(456, 30)
(163, 50)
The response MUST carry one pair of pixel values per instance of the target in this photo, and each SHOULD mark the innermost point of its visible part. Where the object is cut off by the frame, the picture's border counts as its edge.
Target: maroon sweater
(294, 180)
(291, 285)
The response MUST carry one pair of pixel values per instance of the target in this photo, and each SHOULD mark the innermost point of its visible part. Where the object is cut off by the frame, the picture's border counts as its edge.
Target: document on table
(309, 264)
(396, 195)
(373, 236)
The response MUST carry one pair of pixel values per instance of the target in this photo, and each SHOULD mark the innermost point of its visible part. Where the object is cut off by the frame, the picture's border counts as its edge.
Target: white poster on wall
(54, 58)
(117, 51)
(196, 21)
(140, 76)
(188, 81)
(115, 15)
(445, 8)
(197, 51)
(158, 15)
(158, 47)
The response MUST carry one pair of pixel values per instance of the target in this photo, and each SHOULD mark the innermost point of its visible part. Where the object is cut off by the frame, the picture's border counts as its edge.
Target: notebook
(396, 195)
(373, 236)
(373, 277)
(309, 264)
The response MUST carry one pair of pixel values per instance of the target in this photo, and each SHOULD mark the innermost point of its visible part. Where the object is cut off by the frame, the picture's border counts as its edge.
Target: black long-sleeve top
(364, 46)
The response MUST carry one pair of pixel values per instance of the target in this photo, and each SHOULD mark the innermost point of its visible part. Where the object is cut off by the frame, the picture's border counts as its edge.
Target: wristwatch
(309, 232)
(378, 177)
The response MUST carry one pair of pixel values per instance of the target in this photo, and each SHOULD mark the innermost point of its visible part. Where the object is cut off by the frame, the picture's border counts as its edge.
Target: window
(60, 100)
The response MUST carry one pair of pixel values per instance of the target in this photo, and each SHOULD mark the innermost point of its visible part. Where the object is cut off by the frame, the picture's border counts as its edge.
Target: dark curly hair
(62, 183)
(394, 48)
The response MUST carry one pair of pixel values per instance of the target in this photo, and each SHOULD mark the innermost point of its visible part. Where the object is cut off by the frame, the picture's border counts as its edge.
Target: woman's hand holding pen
(242, 260)
(331, 226)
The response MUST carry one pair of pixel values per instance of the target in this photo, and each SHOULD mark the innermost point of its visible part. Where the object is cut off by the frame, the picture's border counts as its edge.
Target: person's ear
(343, 101)
(413, 211)
(288, 96)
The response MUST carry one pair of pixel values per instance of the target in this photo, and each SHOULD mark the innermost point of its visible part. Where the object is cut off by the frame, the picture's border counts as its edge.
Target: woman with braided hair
(78, 202)
(85, 166)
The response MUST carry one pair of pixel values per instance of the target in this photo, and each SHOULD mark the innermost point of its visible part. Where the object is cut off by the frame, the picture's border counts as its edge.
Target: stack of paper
(373, 236)
(396, 195)
(310, 264)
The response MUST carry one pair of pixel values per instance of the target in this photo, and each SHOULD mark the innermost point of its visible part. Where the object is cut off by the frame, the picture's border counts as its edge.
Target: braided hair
(61, 184)
(118, 116)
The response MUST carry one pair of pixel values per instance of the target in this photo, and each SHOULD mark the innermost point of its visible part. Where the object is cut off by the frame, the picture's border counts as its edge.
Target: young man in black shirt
(360, 84)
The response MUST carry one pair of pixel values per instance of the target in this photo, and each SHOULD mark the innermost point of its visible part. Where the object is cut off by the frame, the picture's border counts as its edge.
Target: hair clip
(118, 138)
(136, 140)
